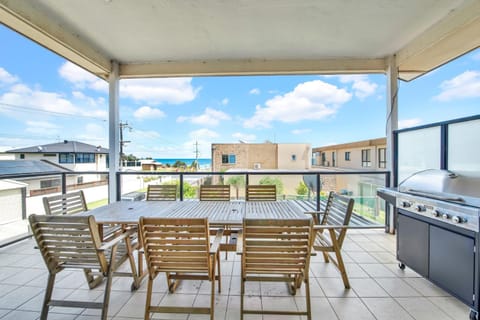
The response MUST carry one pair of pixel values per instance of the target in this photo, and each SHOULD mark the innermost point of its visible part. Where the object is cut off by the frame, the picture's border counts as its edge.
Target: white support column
(392, 122)
(113, 131)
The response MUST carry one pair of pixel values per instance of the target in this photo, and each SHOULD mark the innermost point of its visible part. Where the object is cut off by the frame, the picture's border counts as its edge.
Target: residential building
(360, 155)
(66, 156)
(282, 156)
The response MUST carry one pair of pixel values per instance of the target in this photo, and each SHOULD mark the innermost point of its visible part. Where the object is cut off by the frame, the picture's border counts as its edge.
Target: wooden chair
(261, 192)
(330, 244)
(73, 242)
(68, 203)
(276, 250)
(74, 202)
(321, 217)
(180, 248)
(215, 192)
(162, 192)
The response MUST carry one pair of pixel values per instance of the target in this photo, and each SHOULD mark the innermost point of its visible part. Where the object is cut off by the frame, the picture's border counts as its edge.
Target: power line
(65, 114)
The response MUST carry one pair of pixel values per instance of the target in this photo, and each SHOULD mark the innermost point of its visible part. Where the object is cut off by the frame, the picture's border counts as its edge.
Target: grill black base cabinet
(441, 253)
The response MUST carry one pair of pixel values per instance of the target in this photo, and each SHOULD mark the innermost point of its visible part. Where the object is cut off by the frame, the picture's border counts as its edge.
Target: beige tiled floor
(380, 290)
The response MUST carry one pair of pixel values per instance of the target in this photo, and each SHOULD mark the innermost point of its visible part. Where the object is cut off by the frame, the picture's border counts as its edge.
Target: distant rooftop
(19, 167)
(61, 147)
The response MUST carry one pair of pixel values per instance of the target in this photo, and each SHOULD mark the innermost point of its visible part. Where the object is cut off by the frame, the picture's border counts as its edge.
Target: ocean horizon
(202, 162)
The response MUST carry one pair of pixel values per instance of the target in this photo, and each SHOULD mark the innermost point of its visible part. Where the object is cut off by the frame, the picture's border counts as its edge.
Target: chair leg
(325, 257)
(149, 298)
(212, 294)
(343, 271)
(219, 273)
(242, 293)
(307, 297)
(108, 285)
(48, 296)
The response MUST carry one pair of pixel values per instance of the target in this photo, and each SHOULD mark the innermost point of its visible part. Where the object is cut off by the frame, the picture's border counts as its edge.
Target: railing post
(119, 186)
(64, 183)
(246, 180)
(318, 191)
(181, 186)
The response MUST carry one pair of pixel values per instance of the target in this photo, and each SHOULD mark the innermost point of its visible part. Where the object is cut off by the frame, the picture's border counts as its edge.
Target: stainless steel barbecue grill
(437, 227)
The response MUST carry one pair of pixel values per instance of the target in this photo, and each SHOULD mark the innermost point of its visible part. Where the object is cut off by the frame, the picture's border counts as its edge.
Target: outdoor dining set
(183, 240)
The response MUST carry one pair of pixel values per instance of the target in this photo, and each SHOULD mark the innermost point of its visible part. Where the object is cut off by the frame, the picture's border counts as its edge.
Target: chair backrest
(343, 207)
(68, 241)
(176, 245)
(162, 192)
(328, 206)
(276, 246)
(215, 192)
(68, 203)
(261, 192)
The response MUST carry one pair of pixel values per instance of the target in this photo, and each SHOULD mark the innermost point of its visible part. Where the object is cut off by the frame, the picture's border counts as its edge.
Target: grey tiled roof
(19, 167)
(65, 146)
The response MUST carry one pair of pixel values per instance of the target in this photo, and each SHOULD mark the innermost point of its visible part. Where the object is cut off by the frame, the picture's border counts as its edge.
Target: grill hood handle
(434, 195)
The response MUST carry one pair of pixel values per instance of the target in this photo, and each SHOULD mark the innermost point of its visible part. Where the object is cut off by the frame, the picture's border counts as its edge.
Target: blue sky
(45, 99)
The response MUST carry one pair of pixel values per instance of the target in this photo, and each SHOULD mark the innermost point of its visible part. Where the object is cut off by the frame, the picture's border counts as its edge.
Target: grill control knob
(445, 216)
(457, 219)
(436, 213)
(406, 204)
(421, 208)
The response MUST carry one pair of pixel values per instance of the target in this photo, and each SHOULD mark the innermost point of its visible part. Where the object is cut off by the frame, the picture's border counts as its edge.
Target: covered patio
(119, 39)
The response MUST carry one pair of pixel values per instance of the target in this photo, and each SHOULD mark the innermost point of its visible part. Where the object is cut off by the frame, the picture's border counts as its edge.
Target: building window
(294, 157)
(382, 158)
(66, 157)
(85, 158)
(324, 159)
(79, 180)
(22, 155)
(366, 159)
(49, 155)
(49, 183)
(347, 156)
(228, 159)
(334, 159)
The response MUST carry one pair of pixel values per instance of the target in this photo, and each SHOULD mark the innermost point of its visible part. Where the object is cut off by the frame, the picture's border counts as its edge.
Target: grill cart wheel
(473, 315)
(401, 266)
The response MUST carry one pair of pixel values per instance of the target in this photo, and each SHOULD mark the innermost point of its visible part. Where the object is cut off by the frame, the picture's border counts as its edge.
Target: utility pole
(197, 152)
(123, 125)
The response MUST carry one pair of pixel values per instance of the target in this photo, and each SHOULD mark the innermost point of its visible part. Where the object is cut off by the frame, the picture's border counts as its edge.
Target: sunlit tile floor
(380, 290)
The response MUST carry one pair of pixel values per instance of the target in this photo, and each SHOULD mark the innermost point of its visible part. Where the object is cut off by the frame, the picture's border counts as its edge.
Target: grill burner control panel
(461, 216)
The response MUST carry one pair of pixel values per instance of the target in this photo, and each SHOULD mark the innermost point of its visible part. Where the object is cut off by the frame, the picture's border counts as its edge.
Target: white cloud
(300, 131)
(360, 84)
(42, 128)
(95, 134)
(311, 100)
(147, 112)
(254, 91)
(210, 117)
(153, 91)
(407, 123)
(6, 77)
(465, 85)
(225, 101)
(203, 133)
(82, 78)
(244, 136)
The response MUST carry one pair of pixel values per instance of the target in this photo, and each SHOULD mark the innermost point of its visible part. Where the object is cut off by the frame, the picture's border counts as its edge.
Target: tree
(276, 181)
(189, 191)
(237, 182)
(179, 164)
(301, 189)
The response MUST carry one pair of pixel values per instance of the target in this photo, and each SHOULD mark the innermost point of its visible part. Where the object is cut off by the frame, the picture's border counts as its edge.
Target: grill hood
(443, 185)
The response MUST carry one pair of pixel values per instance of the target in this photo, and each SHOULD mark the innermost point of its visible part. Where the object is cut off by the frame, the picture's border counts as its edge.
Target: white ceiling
(228, 37)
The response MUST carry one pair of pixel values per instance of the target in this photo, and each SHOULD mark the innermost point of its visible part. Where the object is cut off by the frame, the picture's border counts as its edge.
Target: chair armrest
(216, 242)
(315, 215)
(240, 242)
(116, 240)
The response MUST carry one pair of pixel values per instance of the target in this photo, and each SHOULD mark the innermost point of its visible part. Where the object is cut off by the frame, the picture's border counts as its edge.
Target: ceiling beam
(251, 67)
(26, 19)
(453, 36)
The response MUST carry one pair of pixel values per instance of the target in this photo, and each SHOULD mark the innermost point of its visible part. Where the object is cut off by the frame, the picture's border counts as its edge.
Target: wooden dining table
(229, 213)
